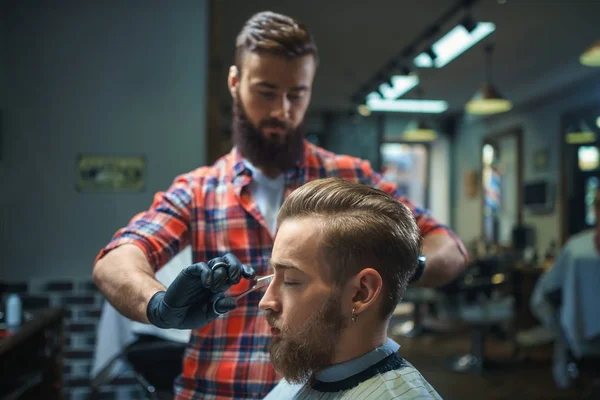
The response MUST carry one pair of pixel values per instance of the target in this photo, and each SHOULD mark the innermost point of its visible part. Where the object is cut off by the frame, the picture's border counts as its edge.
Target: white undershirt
(268, 195)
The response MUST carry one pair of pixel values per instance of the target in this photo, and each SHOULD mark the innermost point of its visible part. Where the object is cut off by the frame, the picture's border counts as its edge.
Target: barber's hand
(188, 301)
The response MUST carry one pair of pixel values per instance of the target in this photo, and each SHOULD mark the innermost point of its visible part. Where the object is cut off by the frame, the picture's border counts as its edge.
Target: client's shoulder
(404, 382)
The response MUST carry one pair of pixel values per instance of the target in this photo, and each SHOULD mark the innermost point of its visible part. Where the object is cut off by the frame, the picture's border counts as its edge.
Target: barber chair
(156, 363)
(418, 297)
(486, 310)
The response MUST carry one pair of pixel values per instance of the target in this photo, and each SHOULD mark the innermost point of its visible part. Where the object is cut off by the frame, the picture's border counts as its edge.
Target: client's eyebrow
(284, 266)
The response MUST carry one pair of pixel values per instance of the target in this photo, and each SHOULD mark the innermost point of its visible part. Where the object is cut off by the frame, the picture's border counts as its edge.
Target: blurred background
(486, 112)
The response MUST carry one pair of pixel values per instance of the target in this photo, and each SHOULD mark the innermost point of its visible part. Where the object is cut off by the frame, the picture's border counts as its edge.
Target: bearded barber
(227, 212)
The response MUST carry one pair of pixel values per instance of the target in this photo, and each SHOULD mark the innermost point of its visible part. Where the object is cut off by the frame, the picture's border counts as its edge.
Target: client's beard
(297, 356)
(280, 153)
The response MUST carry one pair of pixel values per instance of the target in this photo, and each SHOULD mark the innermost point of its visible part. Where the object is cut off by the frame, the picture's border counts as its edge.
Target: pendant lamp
(419, 130)
(579, 133)
(488, 99)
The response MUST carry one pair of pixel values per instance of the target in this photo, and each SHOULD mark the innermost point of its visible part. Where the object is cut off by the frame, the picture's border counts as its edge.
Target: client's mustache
(273, 320)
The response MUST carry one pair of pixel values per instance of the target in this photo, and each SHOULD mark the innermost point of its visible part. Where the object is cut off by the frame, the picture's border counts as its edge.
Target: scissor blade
(260, 282)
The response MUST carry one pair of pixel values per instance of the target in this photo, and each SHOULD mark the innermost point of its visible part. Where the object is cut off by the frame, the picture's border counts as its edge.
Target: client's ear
(367, 285)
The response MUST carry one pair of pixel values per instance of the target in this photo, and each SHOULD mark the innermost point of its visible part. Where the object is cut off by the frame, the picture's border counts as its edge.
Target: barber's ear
(367, 289)
(233, 80)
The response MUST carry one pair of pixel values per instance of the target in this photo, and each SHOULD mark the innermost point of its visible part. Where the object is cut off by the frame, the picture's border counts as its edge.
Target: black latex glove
(195, 298)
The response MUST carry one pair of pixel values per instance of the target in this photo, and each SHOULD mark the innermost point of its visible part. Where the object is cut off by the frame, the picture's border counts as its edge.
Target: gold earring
(354, 316)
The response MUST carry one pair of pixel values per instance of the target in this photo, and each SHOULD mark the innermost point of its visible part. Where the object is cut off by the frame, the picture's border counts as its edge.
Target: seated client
(342, 258)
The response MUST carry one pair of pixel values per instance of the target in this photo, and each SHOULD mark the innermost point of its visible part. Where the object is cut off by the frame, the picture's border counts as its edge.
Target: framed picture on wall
(101, 173)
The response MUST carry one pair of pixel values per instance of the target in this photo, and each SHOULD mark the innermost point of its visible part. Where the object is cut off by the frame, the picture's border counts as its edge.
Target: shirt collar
(347, 369)
(237, 162)
(259, 177)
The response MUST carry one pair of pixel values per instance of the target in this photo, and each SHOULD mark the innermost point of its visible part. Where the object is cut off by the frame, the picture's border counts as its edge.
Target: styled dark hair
(271, 33)
(362, 227)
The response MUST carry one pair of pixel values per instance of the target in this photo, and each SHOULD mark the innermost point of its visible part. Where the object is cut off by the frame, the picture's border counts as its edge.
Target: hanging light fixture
(419, 130)
(591, 57)
(579, 133)
(488, 99)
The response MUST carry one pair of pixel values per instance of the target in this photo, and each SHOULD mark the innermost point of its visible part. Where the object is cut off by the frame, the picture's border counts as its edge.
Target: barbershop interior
(484, 114)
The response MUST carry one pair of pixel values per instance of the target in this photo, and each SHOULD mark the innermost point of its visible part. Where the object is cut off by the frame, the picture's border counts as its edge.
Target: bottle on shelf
(14, 311)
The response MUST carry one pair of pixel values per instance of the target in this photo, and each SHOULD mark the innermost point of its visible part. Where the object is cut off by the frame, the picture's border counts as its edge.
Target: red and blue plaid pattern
(211, 208)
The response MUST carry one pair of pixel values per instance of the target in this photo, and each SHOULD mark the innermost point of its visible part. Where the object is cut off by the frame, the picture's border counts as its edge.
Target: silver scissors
(257, 283)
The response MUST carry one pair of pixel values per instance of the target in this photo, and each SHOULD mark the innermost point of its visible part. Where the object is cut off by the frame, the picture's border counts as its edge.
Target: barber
(227, 212)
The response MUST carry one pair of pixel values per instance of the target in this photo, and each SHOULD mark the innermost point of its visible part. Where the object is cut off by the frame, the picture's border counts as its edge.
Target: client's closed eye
(288, 283)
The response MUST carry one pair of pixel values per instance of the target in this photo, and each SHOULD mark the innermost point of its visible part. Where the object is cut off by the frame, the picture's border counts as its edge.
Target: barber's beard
(279, 153)
(299, 355)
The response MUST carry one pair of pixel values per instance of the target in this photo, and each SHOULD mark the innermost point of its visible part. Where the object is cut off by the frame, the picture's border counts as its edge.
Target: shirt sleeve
(162, 231)
(427, 224)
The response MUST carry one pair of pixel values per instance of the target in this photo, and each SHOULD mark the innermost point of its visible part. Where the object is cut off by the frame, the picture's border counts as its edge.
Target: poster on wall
(101, 173)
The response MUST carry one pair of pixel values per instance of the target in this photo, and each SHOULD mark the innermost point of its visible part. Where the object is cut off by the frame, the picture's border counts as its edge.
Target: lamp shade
(579, 133)
(591, 57)
(488, 100)
(419, 131)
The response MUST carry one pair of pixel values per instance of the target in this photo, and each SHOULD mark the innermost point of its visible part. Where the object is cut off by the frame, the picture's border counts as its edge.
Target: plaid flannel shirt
(211, 209)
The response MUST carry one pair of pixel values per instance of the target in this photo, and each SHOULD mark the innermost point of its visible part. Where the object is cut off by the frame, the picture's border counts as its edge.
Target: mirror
(407, 165)
(501, 180)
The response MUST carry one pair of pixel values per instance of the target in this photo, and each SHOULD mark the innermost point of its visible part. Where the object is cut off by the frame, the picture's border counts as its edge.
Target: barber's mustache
(274, 123)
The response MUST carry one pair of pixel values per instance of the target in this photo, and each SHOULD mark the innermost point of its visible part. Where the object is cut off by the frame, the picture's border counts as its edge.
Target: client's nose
(269, 300)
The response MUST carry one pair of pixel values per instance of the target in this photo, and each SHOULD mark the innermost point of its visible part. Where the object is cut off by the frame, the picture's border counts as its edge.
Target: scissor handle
(215, 309)
(219, 264)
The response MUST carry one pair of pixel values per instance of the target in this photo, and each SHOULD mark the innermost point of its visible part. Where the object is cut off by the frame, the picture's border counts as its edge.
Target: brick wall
(83, 303)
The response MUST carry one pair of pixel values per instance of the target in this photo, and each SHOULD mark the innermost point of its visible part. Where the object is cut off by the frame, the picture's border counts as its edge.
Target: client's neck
(359, 339)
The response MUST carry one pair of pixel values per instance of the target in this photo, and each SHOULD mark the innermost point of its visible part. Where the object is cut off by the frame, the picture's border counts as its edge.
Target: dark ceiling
(537, 44)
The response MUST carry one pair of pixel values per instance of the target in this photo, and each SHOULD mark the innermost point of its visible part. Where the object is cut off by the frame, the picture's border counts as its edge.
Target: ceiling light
(591, 57)
(488, 100)
(423, 61)
(400, 86)
(419, 131)
(580, 138)
(579, 133)
(406, 105)
(598, 122)
(453, 44)
(364, 110)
